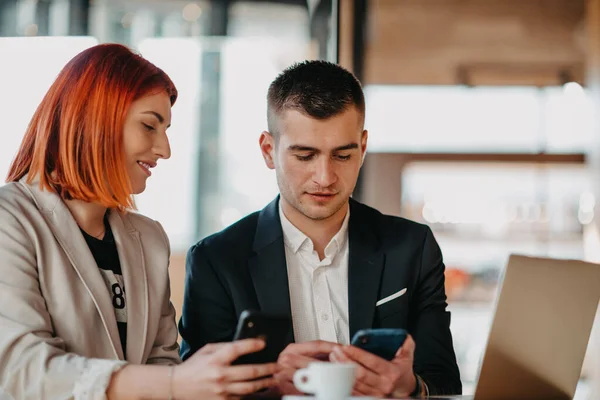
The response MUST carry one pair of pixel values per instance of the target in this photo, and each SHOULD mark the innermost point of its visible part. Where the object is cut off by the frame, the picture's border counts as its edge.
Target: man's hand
(297, 356)
(378, 377)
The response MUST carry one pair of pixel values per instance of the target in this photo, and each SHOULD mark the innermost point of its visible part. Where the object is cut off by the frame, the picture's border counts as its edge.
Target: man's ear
(363, 146)
(267, 148)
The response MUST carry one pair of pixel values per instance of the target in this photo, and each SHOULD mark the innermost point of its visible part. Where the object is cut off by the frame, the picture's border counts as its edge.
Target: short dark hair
(317, 88)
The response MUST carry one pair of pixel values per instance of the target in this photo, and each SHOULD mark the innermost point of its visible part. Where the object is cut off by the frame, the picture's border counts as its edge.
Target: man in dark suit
(333, 265)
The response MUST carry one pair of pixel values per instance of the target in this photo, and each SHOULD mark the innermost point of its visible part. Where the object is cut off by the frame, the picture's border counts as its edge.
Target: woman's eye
(148, 127)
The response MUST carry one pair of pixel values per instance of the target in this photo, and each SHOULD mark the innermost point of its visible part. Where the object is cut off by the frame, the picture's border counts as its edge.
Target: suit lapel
(68, 235)
(133, 267)
(365, 267)
(268, 267)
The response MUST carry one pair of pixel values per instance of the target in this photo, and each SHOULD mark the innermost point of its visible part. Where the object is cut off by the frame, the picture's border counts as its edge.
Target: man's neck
(320, 232)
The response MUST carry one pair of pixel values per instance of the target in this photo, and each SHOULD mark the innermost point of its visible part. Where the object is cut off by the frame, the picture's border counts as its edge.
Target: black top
(107, 258)
(244, 267)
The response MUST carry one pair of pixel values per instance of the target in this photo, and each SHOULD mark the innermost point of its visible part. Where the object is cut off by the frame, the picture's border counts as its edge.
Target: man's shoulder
(388, 225)
(236, 238)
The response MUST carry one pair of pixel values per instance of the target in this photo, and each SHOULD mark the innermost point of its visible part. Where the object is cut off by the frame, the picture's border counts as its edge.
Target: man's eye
(343, 157)
(304, 158)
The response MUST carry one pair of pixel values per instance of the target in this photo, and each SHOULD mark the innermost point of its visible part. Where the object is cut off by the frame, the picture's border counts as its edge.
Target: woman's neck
(89, 216)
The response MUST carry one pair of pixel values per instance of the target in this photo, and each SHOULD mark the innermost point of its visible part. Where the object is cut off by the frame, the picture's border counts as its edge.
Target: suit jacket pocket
(393, 307)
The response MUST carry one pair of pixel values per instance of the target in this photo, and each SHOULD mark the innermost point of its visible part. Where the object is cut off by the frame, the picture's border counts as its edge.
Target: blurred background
(483, 118)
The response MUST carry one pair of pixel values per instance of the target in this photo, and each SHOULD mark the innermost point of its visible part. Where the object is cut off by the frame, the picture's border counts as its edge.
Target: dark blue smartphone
(383, 343)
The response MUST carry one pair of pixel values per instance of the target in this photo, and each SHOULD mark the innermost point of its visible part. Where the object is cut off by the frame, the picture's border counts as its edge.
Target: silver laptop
(541, 329)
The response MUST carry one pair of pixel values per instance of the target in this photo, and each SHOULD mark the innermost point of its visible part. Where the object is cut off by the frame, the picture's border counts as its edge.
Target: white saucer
(290, 397)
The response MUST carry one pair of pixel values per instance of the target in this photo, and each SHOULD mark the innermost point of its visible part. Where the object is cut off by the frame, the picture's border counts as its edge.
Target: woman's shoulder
(18, 209)
(13, 196)
(12, 191)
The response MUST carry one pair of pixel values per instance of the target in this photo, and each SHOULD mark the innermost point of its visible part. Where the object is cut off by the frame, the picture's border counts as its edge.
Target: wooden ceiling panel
(429, 41)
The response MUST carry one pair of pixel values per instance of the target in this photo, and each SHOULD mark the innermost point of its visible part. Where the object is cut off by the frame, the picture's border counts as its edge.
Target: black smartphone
(383, 343)
(273, 329)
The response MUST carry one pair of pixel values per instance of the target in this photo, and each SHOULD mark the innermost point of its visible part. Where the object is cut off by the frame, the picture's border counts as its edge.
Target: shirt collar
(294, 238)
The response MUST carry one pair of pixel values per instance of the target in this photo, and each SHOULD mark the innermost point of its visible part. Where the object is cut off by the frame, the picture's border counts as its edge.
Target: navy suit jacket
(244, 267)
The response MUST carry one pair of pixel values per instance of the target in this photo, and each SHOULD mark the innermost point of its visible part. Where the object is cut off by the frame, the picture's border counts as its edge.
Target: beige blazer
(57, 321)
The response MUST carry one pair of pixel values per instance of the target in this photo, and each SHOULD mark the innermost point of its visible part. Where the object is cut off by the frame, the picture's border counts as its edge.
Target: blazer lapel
(68, 235)
(268, 267)
(133, 267)
(365, 267)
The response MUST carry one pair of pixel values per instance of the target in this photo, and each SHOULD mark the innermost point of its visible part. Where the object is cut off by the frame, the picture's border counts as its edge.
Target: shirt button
(324, 317)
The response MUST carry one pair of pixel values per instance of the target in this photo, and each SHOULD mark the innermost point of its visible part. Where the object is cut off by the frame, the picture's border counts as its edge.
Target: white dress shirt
(318, 288)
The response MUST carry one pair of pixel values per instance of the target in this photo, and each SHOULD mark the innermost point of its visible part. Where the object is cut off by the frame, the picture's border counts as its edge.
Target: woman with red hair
(84, 285)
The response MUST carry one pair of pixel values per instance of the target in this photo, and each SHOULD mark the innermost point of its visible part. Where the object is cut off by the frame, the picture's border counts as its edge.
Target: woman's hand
(208, 374)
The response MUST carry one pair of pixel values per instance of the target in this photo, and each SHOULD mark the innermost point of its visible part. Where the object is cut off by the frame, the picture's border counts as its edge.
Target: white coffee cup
(327, 381)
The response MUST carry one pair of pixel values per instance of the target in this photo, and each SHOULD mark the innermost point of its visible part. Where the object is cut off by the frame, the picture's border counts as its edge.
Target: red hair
(73, 143)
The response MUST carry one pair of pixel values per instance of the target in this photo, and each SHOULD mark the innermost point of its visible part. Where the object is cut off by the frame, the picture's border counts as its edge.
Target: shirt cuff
(95, 378)
(421, 390)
